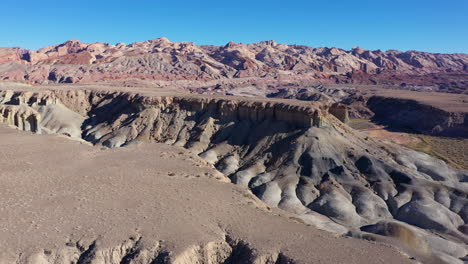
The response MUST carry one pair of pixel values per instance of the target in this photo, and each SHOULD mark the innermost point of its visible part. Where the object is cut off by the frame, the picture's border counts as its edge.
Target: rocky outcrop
(340, 111)
(294, 155)
(417, 116)
(423, 114)
(137, 250)
(160, 59)
(11, 54)
(81, 103)
(23, 117)
(41, 113)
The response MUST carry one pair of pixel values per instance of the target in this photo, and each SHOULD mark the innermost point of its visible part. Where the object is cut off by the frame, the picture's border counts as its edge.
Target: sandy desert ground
(146, 202)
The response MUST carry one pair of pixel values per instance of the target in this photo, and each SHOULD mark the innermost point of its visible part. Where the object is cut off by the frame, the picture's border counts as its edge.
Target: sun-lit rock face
(11, 54)
(339, 111)
(160, 59)
(293, 155)
(22, 117)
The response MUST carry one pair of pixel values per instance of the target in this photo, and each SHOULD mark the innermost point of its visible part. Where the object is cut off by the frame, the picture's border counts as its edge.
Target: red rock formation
(160, 59)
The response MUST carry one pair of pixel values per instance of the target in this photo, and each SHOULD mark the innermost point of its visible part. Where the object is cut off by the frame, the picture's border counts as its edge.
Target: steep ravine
(294, 156)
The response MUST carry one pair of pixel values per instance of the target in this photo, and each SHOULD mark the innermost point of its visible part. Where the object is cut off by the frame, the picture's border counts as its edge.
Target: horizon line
(231, 41)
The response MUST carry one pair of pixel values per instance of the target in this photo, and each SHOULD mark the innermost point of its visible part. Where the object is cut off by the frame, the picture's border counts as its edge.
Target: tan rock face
(22, 117)
(339, 111)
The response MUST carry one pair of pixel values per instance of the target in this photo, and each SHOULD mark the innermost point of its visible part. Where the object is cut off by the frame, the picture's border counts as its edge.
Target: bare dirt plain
(143, 203)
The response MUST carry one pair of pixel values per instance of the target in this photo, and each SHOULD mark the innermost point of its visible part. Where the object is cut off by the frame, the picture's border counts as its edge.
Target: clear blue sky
(430, 25)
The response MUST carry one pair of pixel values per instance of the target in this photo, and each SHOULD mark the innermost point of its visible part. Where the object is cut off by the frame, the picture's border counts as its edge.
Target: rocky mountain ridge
(160, 59)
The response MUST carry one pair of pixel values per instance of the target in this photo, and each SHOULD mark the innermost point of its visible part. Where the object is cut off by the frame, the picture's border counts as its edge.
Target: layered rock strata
(160, 59)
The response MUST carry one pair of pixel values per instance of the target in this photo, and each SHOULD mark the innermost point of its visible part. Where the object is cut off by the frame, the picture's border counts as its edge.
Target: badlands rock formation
(147, 203)
(25, 118)
(400, 110)
(293, 155)
(418, 116)
(160, 59)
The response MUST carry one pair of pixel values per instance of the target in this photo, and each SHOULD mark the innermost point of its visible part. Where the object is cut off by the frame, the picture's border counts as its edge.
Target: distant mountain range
(160, 59)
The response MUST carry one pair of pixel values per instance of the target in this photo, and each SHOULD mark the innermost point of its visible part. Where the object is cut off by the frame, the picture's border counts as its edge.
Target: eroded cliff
(423, 118)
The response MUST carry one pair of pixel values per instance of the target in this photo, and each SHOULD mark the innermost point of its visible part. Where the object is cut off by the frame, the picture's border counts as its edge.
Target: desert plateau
(163, 151)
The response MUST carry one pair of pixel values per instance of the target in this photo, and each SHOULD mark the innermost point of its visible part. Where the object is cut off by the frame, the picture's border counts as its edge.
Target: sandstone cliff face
(160, 59)
(23, 117)
(39, 113)
(294, 156)
(340, 111)
(410, 114)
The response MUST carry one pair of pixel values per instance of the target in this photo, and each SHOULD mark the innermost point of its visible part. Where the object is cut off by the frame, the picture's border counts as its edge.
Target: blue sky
(435, 26)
